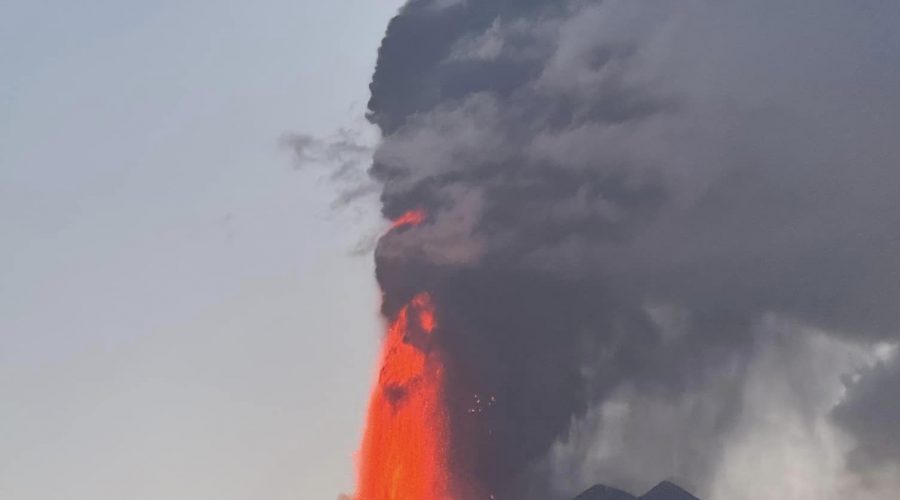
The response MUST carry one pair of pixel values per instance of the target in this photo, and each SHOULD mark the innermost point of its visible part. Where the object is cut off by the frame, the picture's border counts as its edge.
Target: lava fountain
(405, 445)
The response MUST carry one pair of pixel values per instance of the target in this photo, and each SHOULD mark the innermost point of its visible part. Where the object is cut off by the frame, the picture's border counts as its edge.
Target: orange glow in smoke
(404, 448)
(411, 218)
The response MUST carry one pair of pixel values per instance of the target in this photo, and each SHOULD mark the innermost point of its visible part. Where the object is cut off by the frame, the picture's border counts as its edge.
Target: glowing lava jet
(411, 218)
(405, 445)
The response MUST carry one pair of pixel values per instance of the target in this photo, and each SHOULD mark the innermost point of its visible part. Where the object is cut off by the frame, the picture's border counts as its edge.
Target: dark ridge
(662, 491)
(601, 492)
(668, 491)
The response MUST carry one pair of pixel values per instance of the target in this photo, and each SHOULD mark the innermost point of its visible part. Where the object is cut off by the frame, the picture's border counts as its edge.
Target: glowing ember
(411, 218)
(404, 449)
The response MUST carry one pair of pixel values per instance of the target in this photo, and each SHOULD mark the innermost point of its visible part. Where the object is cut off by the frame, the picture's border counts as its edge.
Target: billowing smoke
(663, 238)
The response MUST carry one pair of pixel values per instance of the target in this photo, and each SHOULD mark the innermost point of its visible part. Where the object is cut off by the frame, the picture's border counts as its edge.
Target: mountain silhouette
(662, 491)
(601, 492)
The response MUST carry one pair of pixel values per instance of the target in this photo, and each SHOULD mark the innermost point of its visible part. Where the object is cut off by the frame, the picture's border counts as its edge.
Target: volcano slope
(662, 491)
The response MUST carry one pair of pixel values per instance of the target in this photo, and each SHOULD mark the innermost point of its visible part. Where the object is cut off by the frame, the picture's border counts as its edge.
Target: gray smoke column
(637, 212)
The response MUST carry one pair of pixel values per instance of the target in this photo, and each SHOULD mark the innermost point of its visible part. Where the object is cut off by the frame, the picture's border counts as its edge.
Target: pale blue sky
(180, 317)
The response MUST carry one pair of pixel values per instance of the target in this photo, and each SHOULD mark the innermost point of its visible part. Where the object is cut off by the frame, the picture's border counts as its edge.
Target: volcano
(662, 491)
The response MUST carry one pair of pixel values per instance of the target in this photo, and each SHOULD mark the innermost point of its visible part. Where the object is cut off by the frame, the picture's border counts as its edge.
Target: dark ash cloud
(619, 194)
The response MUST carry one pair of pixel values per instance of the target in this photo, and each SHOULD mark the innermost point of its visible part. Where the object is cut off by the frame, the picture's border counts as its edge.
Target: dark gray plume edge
(620, 196)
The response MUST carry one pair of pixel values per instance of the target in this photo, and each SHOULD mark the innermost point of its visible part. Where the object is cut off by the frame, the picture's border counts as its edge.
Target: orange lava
(411, 218)
(404, 448)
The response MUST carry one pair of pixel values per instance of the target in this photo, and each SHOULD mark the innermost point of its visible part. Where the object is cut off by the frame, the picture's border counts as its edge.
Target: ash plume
(658, 234)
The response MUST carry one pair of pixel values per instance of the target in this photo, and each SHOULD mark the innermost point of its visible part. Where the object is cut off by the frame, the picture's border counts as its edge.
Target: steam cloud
(664, 237)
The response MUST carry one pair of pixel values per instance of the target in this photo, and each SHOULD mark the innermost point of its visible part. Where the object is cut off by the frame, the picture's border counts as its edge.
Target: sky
(181, 312)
